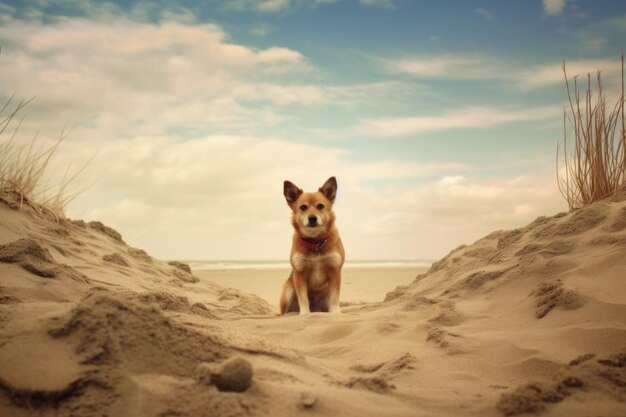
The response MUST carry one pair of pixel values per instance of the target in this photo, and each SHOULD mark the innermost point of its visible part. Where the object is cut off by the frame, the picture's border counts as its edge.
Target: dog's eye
(320, 206)
(303, 207)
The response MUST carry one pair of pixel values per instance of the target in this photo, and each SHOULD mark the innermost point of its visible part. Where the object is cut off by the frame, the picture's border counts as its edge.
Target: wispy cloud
(599, 36)
(552, 74)
(553, 7)
(484, 13)
(273, 6)
(460, 67)
(141, 10)
(466, 118)
(261, 29)
(467, 67)
(383, 4)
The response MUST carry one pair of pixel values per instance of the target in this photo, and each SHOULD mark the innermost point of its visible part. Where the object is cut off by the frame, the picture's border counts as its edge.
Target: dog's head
(312, 213)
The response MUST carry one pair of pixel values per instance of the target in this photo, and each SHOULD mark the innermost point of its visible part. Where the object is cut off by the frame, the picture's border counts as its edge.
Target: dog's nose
(312, 219)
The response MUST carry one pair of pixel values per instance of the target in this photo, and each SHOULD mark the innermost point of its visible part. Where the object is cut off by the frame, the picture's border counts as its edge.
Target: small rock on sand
(308, 400)
(234, 374)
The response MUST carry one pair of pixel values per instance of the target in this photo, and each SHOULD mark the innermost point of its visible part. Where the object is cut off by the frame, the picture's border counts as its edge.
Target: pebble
(308, 400)
(234, 374)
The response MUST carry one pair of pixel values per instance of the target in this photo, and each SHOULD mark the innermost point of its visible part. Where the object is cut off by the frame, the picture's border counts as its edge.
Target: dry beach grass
(596, 166)
(23, 164)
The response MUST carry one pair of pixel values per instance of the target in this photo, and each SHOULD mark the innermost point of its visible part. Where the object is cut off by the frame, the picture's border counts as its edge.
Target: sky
(440, 119)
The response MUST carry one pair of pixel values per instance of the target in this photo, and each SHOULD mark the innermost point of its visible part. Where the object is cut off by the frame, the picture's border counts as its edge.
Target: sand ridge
(531, 320)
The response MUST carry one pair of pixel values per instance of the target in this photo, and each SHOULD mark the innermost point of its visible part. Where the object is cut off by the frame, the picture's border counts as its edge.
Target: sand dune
(531, 320)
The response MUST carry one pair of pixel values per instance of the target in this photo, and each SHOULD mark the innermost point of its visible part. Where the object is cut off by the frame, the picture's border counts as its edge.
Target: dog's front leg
(302, 291)
(334, 279)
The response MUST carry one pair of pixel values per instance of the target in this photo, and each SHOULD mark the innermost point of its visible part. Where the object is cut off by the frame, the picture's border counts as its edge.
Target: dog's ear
(291, 192)
(329, 189)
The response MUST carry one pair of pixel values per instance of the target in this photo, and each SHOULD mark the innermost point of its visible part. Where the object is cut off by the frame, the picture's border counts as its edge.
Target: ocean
(284, 264)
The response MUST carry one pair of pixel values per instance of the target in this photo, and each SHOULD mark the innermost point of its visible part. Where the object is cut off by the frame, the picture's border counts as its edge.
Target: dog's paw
(335, 309)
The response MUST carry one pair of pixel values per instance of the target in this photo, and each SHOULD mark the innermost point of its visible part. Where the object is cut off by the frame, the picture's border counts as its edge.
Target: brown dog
(317, 254)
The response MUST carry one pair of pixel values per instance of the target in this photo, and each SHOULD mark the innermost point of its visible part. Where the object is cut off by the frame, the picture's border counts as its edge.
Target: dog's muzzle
(312, 221)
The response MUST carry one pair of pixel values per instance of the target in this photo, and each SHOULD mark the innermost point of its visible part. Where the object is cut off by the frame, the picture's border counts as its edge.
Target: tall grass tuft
(595, 163)
(23, 166)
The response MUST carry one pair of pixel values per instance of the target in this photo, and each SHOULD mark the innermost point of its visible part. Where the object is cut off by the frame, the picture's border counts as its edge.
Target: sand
(530, 321)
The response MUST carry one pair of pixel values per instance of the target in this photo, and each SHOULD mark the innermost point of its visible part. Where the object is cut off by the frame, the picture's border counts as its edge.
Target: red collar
(315, 244)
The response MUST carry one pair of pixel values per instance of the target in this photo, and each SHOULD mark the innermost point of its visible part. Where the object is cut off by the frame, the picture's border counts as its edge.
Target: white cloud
(221, 196)
(383, 4)
(116, 74)
(133, 78)
(553, 74)
(223, 167)
(445, 213)
(464, 67)
(465, 118)
(273, 5)
(445, 66)
(140, 10)
(184, 76)
(507, 201)
(205, 47)
(277, 54)
(553, 7)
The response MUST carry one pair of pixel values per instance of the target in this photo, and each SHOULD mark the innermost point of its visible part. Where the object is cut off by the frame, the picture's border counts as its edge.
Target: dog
(317, 253)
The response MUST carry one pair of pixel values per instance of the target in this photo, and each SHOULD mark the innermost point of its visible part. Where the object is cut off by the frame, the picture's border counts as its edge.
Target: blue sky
(439, 118)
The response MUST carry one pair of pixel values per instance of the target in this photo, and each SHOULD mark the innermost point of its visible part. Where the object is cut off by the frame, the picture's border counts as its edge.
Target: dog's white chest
(315, 266)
